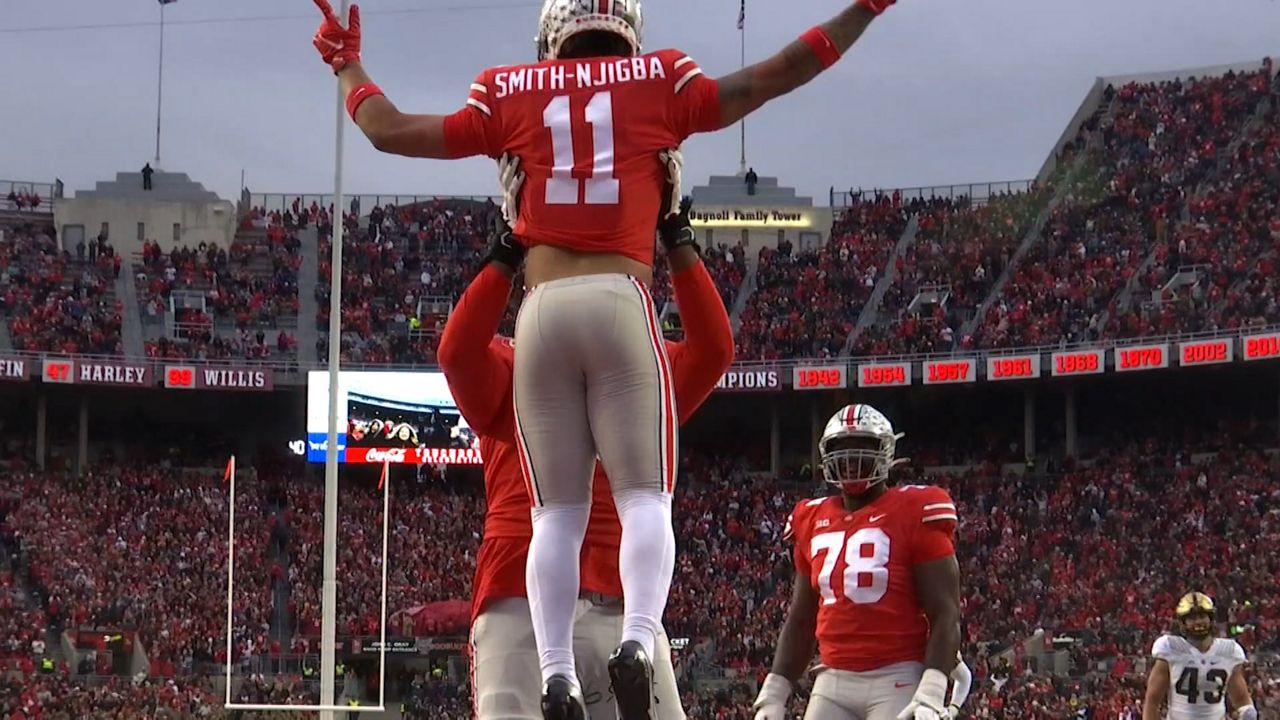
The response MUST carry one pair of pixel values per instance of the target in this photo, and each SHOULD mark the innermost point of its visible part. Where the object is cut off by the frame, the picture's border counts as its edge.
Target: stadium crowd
(253, 285)
(1038, 553)
(1154, 148)
(55, 301)
(806, 303)
(960, 249)
(156, 533)
(394, 261)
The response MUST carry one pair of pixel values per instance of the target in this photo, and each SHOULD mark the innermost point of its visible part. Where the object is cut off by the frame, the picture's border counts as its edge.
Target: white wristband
(933, 689)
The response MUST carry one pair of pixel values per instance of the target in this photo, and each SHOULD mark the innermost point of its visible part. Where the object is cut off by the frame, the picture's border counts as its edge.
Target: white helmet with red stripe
(562, 19)
(857, 448)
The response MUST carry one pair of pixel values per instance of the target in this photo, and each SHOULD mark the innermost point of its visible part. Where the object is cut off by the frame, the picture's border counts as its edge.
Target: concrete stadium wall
(207, 222)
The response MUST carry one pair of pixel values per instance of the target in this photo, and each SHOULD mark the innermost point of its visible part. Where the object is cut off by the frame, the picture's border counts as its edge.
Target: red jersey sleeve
(935, 532)
(699, 361)
(695, 107)
(475, 129)
(475, 367)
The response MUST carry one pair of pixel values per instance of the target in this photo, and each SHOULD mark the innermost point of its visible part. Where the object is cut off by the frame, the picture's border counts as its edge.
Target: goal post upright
(329, 590)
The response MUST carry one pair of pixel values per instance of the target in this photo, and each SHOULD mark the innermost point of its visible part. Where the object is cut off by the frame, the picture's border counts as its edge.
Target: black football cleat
(631, 674)
(562, 700)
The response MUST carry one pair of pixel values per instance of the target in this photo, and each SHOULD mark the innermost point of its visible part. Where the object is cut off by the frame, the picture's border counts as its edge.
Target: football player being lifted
(1208, 669)
(877, 587)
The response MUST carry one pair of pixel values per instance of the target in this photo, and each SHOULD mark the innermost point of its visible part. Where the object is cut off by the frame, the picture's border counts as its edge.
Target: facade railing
(364, 203)
(978, 193)
(47, 192)
(289, 366)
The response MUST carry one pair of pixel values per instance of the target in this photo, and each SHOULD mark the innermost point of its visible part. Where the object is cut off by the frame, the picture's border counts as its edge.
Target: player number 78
(865, 554)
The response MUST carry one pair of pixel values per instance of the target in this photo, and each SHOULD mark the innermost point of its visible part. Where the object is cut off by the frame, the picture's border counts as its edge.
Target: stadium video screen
(398, 417)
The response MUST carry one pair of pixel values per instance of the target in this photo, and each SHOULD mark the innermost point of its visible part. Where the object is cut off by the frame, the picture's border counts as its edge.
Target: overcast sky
(937, 92)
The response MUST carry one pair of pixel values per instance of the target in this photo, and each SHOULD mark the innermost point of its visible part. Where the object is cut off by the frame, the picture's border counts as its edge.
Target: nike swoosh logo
(875, 518)
(898, 684)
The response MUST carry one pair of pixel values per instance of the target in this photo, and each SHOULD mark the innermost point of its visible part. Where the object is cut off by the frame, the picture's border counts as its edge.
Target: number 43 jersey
(861, 564)
(588, 133)
(1198, 680)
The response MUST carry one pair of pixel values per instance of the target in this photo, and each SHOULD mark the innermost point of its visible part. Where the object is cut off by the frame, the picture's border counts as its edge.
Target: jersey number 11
(602, 186)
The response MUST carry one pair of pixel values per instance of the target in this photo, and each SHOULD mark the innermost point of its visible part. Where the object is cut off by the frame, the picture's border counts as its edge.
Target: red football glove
(875, 6)
(338, 45)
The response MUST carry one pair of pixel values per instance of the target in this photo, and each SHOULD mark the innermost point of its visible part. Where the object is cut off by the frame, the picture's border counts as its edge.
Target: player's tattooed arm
(938, 587)
(797, 641)
(390, 130)
(1157, 690)
(745, 91)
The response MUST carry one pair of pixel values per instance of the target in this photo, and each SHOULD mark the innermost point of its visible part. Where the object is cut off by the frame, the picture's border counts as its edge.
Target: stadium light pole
(329, 591)
(160, 81)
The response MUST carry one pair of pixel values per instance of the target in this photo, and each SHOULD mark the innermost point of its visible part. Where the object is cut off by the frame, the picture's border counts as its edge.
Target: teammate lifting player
(478, 365)
(592, 377)
(877, 587)
(1209, 669)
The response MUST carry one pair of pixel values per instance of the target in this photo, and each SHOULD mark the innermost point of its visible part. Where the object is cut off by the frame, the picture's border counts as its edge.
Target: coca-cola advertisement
(395, 417)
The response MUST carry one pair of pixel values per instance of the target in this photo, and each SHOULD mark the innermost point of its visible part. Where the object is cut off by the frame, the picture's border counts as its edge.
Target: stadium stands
(806, 303)
(229, 303)
(153, 532)
(1038, 553)
(398, 263)
(959, 252)
(1155, 147)
(54, 301)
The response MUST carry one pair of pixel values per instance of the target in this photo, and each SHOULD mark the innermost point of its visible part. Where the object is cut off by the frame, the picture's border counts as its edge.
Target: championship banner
(13, 369)
(84, 372)
(950, 372)
(1078, 362)
(884, 375)
(1206, 352)
(1262, 347)
(750, 381)
(188, 377)
(1142, 357)
(822, 377)
(1013, 367)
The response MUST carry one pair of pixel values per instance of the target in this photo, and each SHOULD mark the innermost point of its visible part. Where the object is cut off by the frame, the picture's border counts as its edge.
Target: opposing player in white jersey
(1208, 670)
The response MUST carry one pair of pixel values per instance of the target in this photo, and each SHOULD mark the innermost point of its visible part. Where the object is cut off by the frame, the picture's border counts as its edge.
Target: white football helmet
(562, 19)
(857, 449)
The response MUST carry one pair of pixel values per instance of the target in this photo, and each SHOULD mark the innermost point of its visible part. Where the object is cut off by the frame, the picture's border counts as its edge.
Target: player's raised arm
(746, 90)
(1157, 690)
(392, 131)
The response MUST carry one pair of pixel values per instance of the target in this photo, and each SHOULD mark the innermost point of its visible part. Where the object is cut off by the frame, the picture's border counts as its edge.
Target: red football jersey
(861, 565)
(588, 133)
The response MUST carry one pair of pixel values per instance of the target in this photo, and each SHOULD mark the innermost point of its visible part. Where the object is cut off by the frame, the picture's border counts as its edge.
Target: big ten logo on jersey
(865, 555)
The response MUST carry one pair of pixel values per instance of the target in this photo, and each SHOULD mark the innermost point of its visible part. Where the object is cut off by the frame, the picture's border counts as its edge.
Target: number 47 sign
(59, 371)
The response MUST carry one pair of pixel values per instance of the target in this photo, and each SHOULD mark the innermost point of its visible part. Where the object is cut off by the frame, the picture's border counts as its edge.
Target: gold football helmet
(1195, 612)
